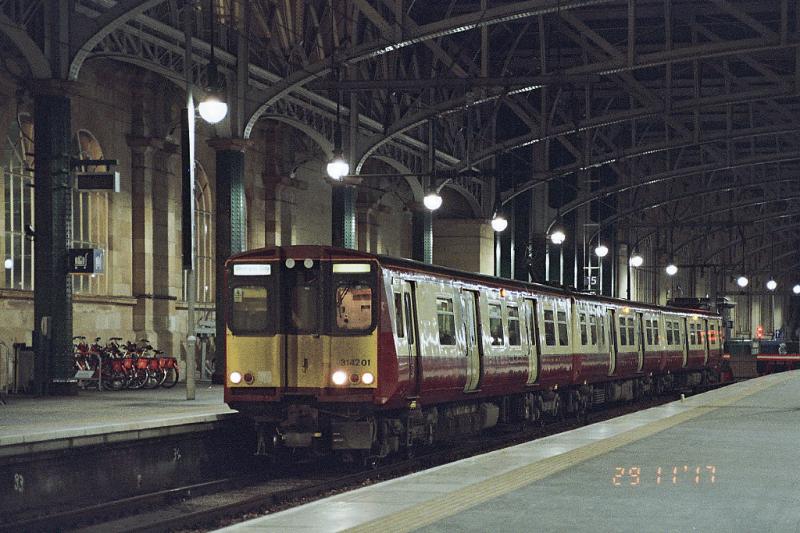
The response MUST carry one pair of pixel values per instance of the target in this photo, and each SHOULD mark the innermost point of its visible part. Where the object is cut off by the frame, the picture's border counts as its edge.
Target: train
(332, 350)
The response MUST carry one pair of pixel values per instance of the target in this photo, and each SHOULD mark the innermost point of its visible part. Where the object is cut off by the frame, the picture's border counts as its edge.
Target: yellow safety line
(434, 510)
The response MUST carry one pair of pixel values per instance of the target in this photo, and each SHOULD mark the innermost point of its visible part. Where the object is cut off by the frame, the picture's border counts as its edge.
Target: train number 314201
(355, 362)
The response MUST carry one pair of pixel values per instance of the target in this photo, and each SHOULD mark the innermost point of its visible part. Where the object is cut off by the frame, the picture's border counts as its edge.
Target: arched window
(16, 205)
(203, 239)
(90, 219)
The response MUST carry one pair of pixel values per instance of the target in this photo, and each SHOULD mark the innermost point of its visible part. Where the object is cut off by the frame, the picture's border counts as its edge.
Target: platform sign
(97, 181)
(86, 261)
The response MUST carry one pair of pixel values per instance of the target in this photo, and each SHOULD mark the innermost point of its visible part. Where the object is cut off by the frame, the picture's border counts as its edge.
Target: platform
(29, 425)
(725, 460)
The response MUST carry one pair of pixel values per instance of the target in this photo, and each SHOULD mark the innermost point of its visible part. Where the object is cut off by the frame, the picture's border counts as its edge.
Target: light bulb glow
(432, 201)
(499, 223)
(601, 250)
(742, 281)
(558, 236)
(637, 260)
(772, 285)
(338, 168)
(339, 377)
(671, 269)
(212, 109)
(796, 289)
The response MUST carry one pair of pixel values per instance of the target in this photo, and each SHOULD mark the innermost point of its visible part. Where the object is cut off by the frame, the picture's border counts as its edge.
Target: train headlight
(236, 378)
(367, 378)
(339, 377)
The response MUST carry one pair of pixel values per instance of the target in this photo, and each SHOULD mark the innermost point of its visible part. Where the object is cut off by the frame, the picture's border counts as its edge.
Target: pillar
(343, 214)
(521, 227)
(422, 236)
(53, 227)
(230, 227)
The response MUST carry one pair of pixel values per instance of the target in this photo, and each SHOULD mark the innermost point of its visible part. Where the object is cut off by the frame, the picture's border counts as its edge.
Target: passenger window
(669, 332)
(409, 323)
(513, 326)
(677, 333)
(496, 325)
(692, 338)
(398, 315)
(447, 321)
(532, 333)
(648, 326)
(623, 332)
(549, 328)
(656, 340)
(593, 329)
(563, 332)
(584, 333)
(602, 331)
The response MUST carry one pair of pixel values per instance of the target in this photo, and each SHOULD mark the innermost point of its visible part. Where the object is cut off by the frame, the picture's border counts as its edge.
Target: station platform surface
(725, 460)
(32, 424)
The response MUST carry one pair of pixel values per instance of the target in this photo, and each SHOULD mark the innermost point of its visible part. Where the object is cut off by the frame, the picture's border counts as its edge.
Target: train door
(706, 347)
(685, 344)
(535, 349)
(612, 342)
(474, 348)
(412, 337)
(640, 333)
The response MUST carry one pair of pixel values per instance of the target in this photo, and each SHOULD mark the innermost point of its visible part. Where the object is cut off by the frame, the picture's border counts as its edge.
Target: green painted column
(231, 229)
(422, 236)
(343, 214)
(53, 370)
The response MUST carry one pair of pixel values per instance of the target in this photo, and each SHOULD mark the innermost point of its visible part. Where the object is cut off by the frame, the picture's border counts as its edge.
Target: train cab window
(549, 328)
(513, 326)
(249, 309)
(623, 332)
(496, 325)
(447, 322)
(593, 329)
(563, 331)
(398, 315)
(584, 333)
(353, 297)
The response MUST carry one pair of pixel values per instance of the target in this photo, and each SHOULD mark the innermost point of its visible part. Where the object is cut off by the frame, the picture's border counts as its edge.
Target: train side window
(677, 333)
(593, 329)
(496, 325)
(692, 337)
(398, 315)
(584, 333)
(648, 327)
(669, 332)
(623, 332)
(549, 328)
(656, 327)
(409, 325)
(513, 326)
(602, 322)
(447, 321)
(532, 333)
(563, 331)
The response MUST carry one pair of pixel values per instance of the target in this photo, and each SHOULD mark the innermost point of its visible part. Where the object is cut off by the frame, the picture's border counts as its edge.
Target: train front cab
(302, 331)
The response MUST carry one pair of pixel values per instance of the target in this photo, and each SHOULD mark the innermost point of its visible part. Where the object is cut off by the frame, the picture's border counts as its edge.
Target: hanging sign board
(86, 261)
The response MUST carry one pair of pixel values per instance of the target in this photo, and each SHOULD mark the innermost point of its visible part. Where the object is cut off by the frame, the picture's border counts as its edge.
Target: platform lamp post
(213, 109)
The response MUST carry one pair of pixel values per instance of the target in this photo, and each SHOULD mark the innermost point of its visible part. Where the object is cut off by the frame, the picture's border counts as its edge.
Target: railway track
(206, 505)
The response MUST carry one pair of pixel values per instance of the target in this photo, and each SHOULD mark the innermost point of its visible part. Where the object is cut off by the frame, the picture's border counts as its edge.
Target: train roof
(332, 252)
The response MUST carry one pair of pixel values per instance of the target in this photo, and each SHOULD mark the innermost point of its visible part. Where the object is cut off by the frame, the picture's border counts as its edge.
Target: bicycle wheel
(154, 378)
(137, 378)
(170, 378)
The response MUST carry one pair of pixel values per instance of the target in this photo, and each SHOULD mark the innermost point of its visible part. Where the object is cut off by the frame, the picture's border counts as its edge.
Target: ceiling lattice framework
(678, 114)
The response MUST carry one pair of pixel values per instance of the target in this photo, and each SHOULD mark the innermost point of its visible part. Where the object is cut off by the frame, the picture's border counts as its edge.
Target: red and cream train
(332, 349)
